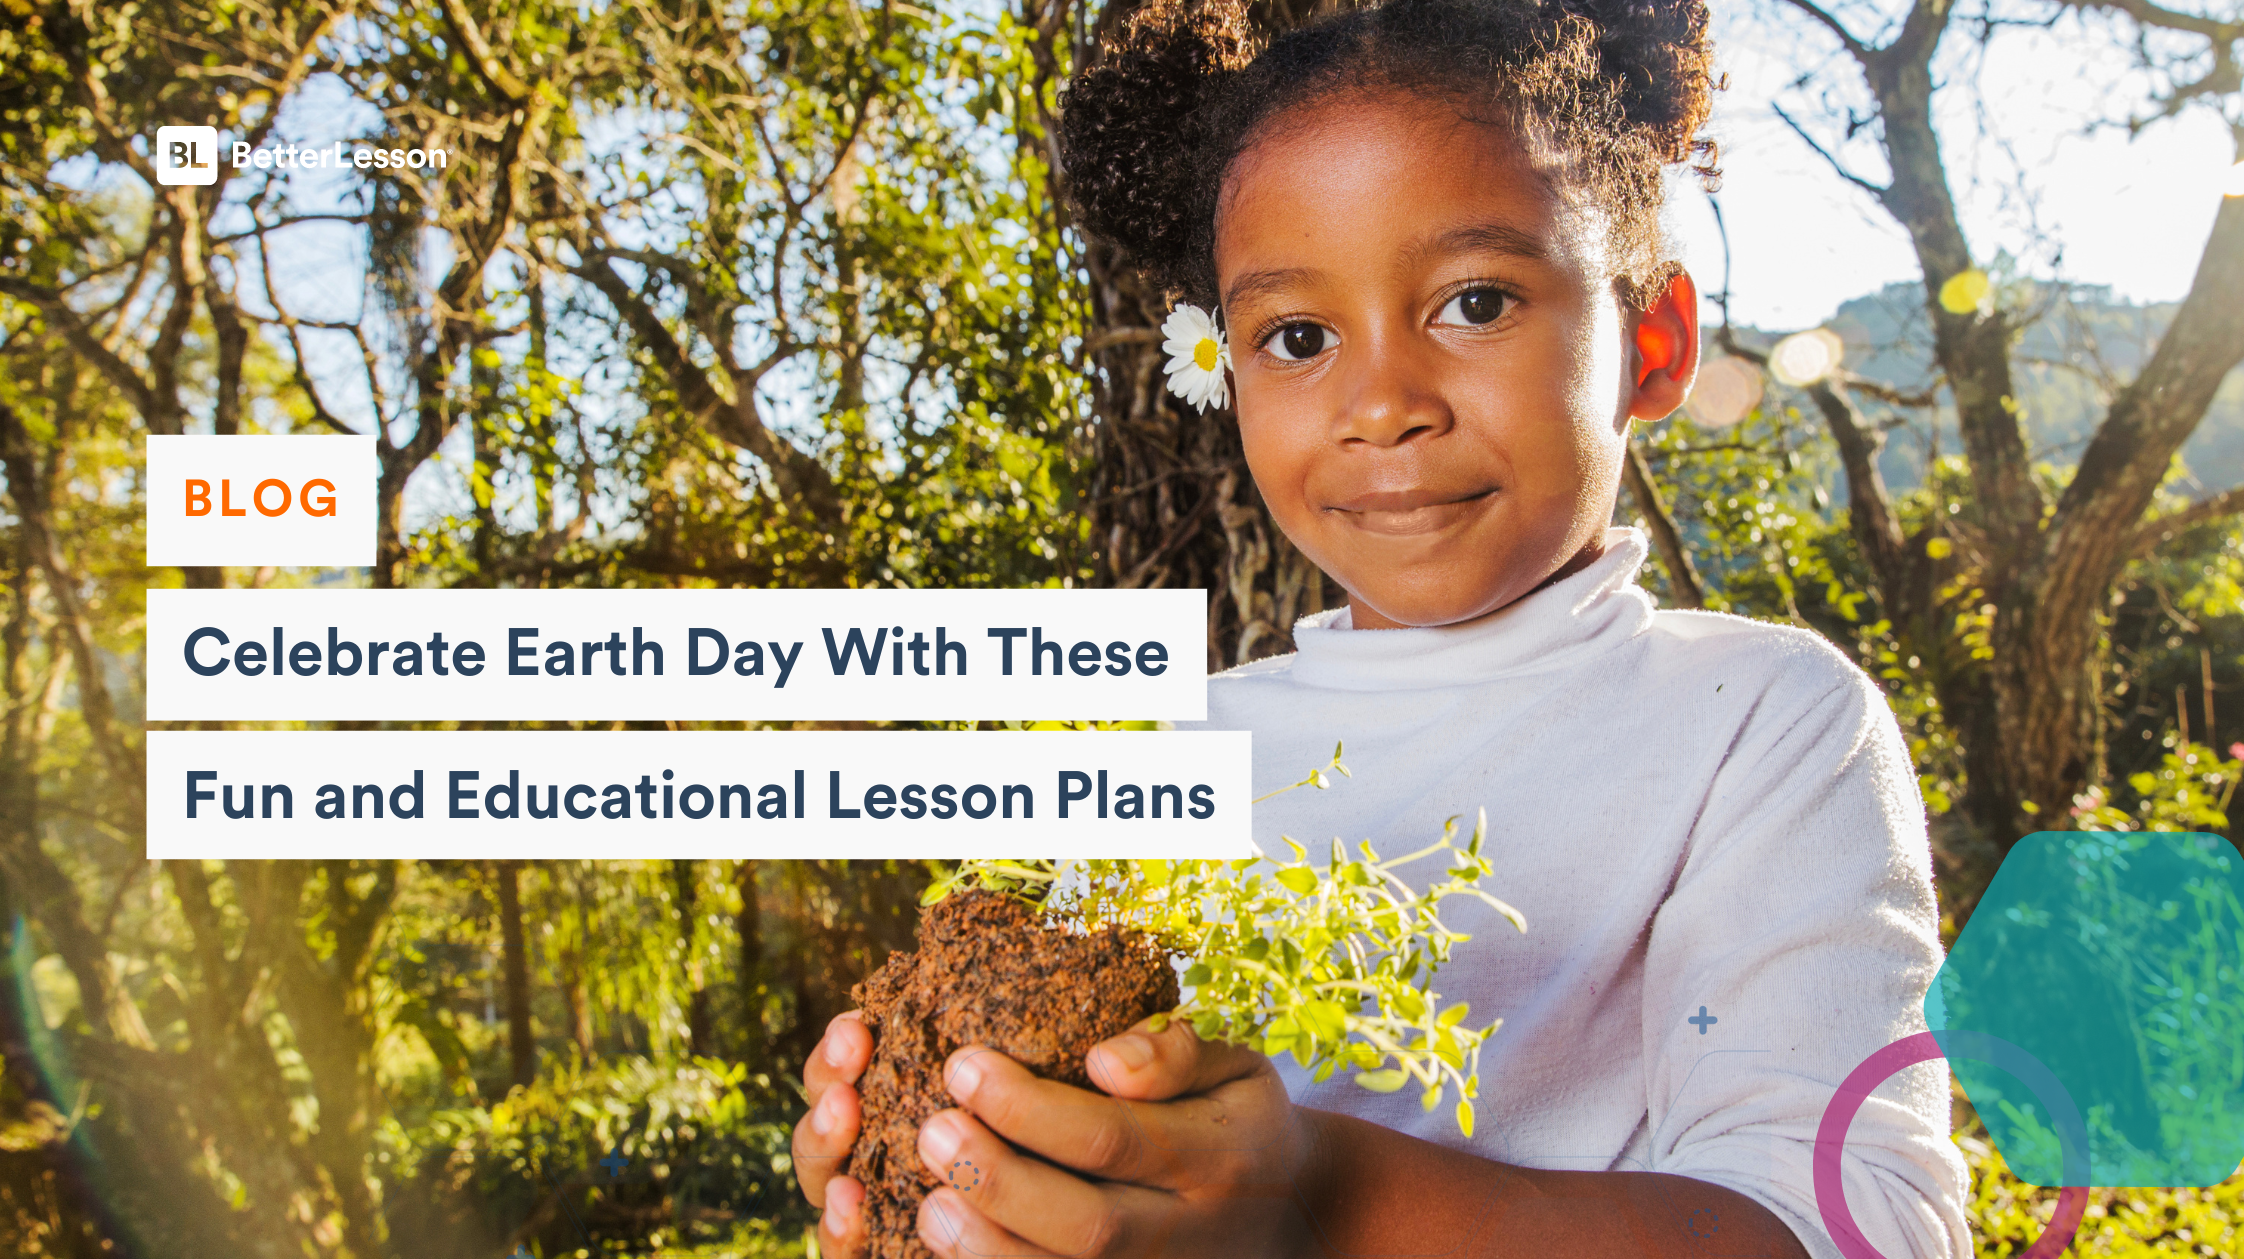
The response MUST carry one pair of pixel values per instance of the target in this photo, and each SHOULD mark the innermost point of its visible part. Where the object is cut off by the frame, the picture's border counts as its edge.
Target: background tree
(1169, 500)
(2027, 565)
(750, 293)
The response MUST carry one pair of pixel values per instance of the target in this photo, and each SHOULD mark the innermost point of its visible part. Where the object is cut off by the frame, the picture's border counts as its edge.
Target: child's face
(1435, 371)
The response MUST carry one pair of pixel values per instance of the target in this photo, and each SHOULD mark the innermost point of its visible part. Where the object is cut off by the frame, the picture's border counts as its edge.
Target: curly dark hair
(1613, 90)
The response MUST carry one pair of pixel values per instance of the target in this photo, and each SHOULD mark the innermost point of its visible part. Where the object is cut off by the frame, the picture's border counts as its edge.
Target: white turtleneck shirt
(1690, 810)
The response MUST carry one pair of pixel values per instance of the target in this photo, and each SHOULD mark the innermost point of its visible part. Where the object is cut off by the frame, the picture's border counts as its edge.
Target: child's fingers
(842, 1055)
(1042, 1204)
(823, 1139)
(953, 1229)
(1152, 1066)
(1169, 1145)
(841, 1227)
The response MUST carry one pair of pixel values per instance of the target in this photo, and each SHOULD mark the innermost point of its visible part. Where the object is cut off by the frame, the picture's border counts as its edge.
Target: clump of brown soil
(988, 972)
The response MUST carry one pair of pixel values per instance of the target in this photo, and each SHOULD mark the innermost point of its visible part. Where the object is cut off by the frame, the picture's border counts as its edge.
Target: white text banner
(255, 795)
(690, 655)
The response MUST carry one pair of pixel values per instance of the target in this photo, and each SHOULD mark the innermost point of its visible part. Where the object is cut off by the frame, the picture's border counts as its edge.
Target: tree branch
(2159, 530)
(1855, 47)
(2127, 459)
(801, 478)
(29, 491)
(1836, 165)
(1684, 585)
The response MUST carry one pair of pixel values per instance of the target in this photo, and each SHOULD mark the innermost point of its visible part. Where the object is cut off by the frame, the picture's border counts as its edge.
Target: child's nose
(1391, 401)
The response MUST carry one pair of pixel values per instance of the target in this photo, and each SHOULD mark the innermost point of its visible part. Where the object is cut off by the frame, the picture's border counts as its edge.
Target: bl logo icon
(186, 155)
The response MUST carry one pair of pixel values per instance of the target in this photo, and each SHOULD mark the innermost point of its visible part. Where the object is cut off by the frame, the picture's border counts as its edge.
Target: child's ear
(1667, 350)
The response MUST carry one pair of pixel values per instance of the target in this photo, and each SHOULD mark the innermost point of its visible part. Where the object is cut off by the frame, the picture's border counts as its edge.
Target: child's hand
(1192, 1150)
(823, 1136)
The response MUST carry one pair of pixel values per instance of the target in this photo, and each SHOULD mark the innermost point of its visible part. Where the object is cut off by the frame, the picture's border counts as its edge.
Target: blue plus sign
(1703, 1020)
(615, 1165)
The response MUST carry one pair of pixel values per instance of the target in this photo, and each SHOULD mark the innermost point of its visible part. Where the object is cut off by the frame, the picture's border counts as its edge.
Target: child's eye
(1299, 341)
(1473, 307)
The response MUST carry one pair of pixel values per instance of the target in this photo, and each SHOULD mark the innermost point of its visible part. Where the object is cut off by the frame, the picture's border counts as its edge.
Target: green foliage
(1333, 964)
(2008, 1215)
(1751, 498)
(2189, 790)
(703, 1143)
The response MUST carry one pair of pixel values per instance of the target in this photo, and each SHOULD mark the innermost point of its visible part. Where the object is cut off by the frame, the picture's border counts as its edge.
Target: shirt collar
(1585, 613)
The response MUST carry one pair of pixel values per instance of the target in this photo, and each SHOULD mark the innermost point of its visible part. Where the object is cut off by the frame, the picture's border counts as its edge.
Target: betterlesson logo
(191, 155)
(186, 155)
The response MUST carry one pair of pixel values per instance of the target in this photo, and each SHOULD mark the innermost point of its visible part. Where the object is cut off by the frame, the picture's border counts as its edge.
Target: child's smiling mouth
(1404, 513)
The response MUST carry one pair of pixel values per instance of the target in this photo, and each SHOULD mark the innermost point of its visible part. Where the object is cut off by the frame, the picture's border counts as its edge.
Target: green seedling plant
(1333, 963)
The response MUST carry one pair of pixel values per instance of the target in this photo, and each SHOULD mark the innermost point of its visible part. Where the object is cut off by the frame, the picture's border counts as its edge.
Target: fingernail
(940, 1137)
(832, 1048)
(836, 1220)
(822, 1116)
(1134, 1050)
(935, 1227)
(965, 1078)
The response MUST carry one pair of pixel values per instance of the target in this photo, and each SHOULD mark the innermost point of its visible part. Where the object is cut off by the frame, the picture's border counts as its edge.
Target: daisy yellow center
(1204, 354)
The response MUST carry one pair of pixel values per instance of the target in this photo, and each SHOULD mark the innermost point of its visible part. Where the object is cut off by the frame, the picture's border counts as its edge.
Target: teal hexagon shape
(2117, 961)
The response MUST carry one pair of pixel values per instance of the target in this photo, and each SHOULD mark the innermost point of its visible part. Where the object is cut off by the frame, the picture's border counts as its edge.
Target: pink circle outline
(1830, 1143)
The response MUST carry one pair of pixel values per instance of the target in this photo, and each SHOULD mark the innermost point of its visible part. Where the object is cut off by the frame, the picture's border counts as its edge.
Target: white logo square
(186, 155)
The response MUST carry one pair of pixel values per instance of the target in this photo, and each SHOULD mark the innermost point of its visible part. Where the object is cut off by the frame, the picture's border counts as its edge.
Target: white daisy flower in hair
(1198, 357)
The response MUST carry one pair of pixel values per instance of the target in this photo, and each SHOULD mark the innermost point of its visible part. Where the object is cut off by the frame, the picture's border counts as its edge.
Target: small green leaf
(1454, 1015)
(1386, 1081)
(1325, 1019)
(1197, 975)
(1430, 1099)
(1300, 880)
(1465, 1118)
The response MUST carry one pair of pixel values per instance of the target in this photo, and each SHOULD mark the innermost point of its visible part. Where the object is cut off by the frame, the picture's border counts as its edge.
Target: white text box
(257, 795)
(590, 655)
(287, 501)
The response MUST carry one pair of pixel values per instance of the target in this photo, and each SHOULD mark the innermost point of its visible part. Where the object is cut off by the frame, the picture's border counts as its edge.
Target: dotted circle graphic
(967, 1180)
(1831, 1134)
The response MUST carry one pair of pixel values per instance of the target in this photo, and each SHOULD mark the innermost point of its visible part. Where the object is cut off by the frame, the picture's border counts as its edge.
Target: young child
(1432, 233)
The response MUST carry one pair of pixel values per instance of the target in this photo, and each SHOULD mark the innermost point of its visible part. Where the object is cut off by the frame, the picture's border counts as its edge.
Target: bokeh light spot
(1807, 357)
(1964, 291)
(1726, 392)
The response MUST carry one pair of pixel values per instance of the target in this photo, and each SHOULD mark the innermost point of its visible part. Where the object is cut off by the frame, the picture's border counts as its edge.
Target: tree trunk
(1171, 502)
(2027, 698)
(580, 1008)
(748, 924)
(522, 1046)
(683, 883)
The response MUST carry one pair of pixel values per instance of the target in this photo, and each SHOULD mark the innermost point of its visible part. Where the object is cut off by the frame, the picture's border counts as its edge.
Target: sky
(2132, 214)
